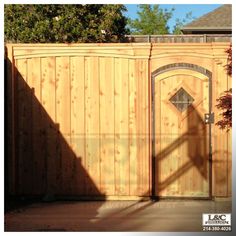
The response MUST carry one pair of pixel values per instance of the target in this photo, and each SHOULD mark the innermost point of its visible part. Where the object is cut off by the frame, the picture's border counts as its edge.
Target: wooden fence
(79, 117)
(182, 38)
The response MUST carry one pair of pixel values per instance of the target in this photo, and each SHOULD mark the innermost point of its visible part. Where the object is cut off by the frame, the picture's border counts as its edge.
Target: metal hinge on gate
(209, 118)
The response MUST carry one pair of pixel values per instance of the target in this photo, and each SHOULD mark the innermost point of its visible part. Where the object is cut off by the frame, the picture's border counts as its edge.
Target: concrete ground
(164, 215)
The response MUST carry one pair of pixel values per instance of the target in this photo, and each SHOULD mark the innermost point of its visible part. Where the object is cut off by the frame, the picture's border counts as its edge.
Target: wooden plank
(183, 153)
(205, 106)
(221, 147)
(43, 127)
(163, 137)
(214, 128)
(145, 129)
(121, 127)
(28, 161)
(10, 163)
(138, 129)
(133, 147)
(63, 101)
(157, 134)
(106, 66)
(78, 123)
(48, 97)
(142, 127)
(188, 148)
(37, 134)
(34, 81)
(18, 125)
(166, 158)
(24, 129)
(92, 126)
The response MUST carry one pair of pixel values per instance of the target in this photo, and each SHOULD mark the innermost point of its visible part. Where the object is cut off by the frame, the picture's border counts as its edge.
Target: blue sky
(180, 10)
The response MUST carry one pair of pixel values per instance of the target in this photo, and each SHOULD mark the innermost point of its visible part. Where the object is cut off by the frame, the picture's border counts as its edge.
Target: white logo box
(220, 219)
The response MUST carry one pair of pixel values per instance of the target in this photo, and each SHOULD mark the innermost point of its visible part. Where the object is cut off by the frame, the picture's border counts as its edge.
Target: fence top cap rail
(108, 45)
(77, 44)
(179, 35)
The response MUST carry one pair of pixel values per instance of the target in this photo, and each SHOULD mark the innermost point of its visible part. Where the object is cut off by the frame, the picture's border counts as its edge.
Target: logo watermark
(216, 222)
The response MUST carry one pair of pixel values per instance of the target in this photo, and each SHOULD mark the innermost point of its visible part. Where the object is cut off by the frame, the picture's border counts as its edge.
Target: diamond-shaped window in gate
(181, 100)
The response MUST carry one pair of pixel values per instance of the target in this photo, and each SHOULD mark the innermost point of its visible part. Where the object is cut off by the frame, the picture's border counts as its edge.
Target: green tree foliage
(64, 23)
(180, 23)
(151, 20)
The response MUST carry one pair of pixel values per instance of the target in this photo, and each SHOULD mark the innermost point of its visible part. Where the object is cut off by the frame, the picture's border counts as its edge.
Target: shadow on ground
(113, 216)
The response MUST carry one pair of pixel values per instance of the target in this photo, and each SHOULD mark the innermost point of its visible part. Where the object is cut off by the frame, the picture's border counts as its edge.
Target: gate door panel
(181, 134)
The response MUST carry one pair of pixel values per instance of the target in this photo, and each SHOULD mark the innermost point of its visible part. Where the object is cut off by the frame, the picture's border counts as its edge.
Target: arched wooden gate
(181, 139)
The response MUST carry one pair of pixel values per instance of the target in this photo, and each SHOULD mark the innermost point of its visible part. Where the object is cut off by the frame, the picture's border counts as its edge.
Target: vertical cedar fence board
(80, 117)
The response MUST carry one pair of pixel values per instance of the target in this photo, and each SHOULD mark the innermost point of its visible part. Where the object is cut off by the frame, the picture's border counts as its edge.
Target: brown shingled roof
(219, 19)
